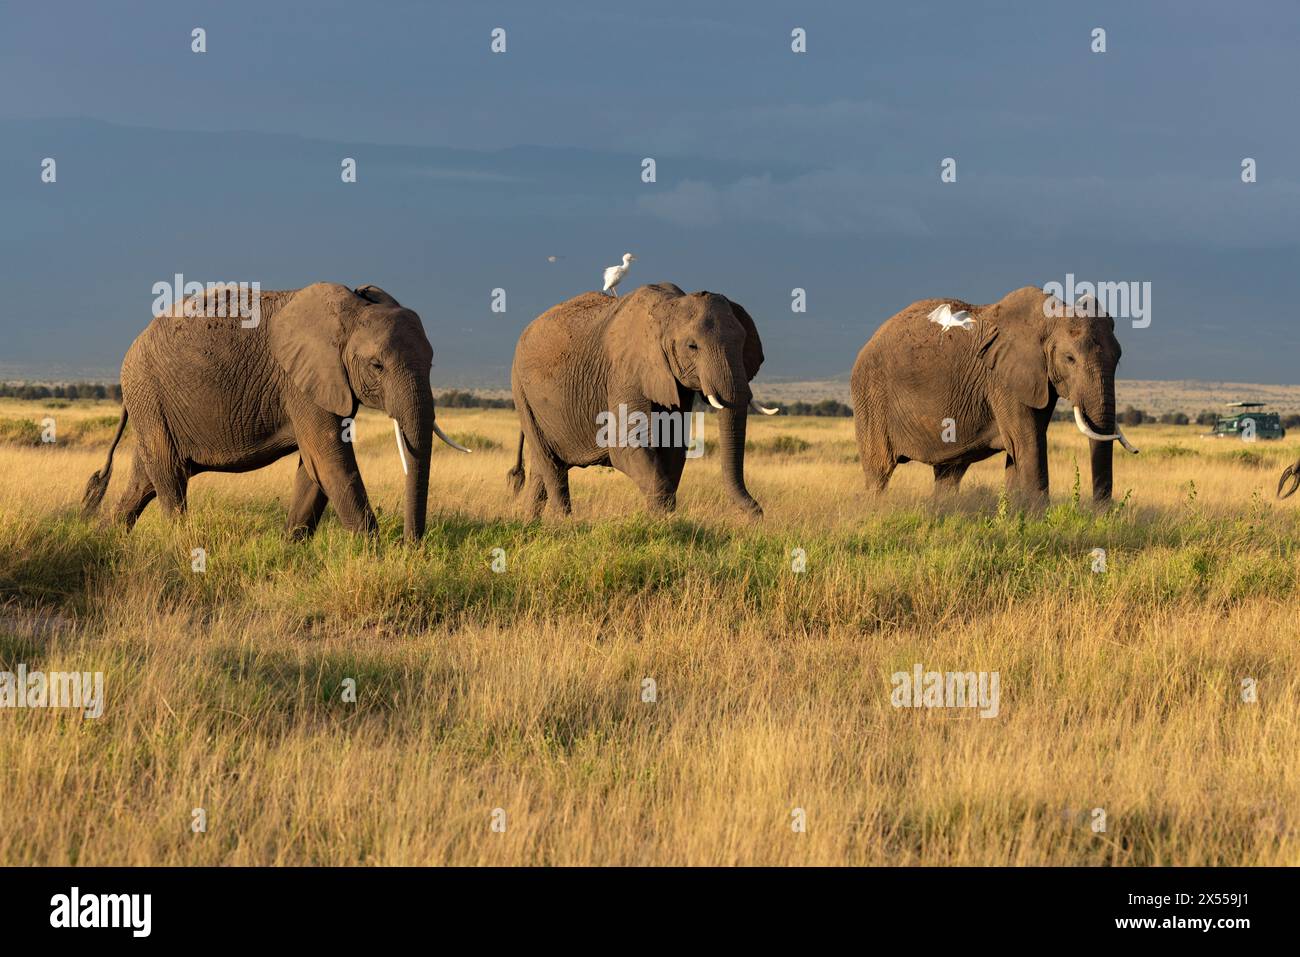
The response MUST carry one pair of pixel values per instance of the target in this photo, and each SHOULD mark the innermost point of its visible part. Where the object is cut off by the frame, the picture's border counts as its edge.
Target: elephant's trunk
(415, 424)
(1103, 454)
(1102, 442)
(724, 384)
(731, 428)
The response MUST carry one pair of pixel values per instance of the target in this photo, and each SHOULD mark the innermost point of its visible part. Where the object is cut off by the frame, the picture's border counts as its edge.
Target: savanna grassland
(523, 690)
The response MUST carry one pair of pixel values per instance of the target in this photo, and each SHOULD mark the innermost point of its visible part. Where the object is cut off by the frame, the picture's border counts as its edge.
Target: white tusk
(1083, 427)
(1097, 436)
(713, 401)
(443, 435)
(1123, 441)
(753, 404)
(401, 446)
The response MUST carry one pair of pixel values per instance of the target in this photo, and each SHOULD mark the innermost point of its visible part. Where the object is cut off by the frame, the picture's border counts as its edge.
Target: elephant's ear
(654, 373)
(753, 353)
(1016, 360)
(306, 336)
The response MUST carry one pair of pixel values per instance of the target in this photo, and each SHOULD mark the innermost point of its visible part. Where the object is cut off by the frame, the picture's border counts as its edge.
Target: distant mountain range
(1154, 397)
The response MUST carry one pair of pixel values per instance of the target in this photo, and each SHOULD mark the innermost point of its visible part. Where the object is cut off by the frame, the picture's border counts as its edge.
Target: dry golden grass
(523, 690)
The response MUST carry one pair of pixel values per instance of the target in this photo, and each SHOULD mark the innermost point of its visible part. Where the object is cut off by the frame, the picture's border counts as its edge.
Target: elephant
(955, 393)
(209, 391)
(594, 358)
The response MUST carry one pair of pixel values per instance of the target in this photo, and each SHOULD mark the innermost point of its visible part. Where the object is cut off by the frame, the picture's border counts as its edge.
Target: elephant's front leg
(656, 472)
(947, 478)
(1025, 436)
(331, 463)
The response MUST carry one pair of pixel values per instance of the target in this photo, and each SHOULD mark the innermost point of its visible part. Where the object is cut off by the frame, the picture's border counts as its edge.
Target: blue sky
(775, 170)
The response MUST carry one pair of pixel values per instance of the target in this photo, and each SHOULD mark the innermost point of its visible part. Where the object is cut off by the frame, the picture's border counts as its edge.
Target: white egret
(947, 319)
(614, 274)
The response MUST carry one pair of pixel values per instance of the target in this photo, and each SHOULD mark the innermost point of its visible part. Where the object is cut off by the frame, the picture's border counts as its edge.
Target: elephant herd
(208, 393)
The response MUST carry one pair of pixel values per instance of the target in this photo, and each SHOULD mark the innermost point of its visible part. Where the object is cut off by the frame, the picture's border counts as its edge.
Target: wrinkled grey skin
(206, 395)
(998, 382)
(652, 350)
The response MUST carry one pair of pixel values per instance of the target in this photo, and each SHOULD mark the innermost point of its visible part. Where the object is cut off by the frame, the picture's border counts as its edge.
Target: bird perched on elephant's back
(950, 397)
(209, 391)
(650, 351)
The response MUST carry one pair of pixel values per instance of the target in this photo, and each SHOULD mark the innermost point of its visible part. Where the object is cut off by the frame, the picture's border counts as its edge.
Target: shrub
(462, 399)
(779, 445)
(20, 432)
(826, 407)
(1172, 452)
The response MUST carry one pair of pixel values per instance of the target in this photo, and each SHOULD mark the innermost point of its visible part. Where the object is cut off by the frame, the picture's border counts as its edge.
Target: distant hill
(1152, 396)
(1149, 395)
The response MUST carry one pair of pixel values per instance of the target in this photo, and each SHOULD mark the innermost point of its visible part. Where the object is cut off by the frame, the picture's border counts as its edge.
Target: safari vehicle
(1267, 425)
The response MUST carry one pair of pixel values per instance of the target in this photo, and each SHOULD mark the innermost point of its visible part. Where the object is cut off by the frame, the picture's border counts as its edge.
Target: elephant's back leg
(544, 477)
(534, 493)
(874, 452)
(308, 505)
(167, 470)
(155, 449)
(557, 489)
(547, 482)
(137, 494)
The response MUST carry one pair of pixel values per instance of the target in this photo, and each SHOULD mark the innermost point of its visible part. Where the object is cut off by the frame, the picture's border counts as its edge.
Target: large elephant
(956, 393)
(593, 360)
(209, 391)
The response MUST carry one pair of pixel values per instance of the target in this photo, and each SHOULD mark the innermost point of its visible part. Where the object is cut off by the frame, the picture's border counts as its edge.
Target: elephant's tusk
(1083, 427)
(1097, 436)
(401, 447)
(713, 401)
(443, 435)
(753, 404)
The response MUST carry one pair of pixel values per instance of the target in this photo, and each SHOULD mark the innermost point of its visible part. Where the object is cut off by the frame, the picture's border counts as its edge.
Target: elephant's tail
(515, 477)
(1293, 473)
(98, 483)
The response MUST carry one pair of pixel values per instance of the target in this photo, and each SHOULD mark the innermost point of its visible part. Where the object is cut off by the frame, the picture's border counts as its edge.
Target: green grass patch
(475, 441)
(779, 445)
(1172, 452)
(20, 432)
(911, 566)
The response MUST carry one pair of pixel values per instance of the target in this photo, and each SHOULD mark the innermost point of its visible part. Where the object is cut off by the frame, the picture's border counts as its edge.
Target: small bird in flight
(614, 274)
(552, 259)
(947, 319)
